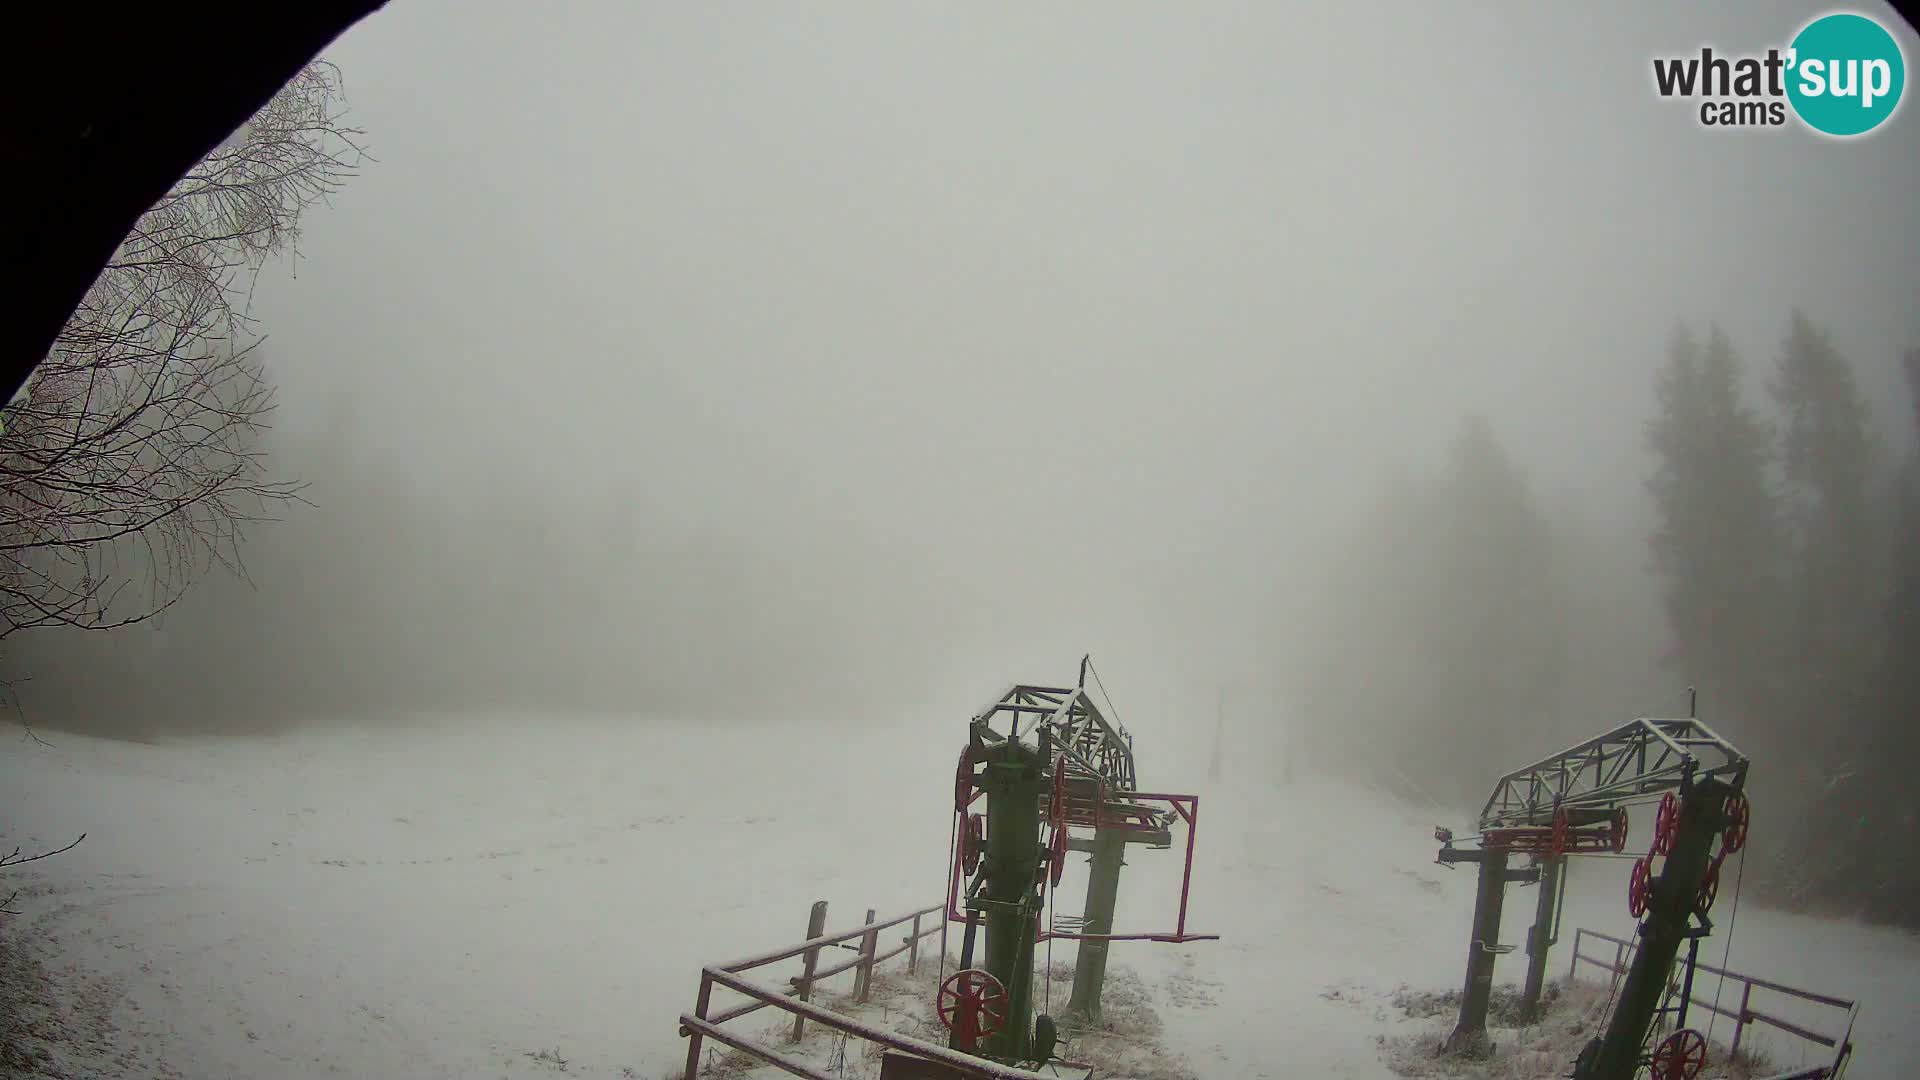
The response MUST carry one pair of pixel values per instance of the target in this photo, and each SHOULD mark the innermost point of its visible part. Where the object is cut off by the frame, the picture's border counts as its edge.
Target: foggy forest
(1417, 438)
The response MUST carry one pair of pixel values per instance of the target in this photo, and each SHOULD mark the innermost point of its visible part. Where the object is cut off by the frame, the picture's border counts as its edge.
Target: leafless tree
(131, 458)
(17, 859)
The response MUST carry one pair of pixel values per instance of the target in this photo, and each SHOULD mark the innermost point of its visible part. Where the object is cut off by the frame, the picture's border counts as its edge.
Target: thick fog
(856, 360)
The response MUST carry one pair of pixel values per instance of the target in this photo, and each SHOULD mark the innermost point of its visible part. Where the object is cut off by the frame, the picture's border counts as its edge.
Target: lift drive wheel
(973, 1005)
(972, 842)
(1680, 1057)
(1057, 802)
(1735, 834)
(963, 781)
(1666, 824)
(1639, 888)
(1709, 888)
(1057, 854)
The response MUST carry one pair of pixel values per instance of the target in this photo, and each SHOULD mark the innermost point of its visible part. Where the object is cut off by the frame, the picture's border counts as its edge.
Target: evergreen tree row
(1458, 638)
(1785, 545)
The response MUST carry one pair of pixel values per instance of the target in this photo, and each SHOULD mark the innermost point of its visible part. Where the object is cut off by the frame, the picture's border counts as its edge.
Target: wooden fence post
(816, 925)
(913, 947)
(863, 975)
(693, 1037)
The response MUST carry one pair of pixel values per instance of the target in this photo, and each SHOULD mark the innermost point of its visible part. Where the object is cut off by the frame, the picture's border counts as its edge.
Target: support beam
(1541, 937)
(1617, 1055)
(1469, 1035)
(1525, 875)
(1090, 962)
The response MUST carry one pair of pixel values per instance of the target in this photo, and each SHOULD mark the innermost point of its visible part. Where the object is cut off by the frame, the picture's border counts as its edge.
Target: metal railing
(699, 1025)
(1743, 1014)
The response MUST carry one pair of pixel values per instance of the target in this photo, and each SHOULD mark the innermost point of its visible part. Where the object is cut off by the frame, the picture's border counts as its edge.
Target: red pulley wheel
(1560, 828)
(1619, 829)
(963, 781)
(1709, 888)
(1665, 824)
(1680, 1057)
(1639, 888)
(1057, 802)
(1735, 834)
(973, 1005)
(1057, 854)
(973, 840)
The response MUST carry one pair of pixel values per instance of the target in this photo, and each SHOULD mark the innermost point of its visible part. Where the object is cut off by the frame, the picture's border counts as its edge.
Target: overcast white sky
(1117, 308)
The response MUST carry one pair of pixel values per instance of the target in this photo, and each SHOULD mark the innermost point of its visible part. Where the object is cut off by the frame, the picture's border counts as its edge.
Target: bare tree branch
(15, 859)
(131, 456)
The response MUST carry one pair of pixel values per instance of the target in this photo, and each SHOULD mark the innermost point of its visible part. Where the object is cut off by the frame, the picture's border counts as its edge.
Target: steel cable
(1726, 957)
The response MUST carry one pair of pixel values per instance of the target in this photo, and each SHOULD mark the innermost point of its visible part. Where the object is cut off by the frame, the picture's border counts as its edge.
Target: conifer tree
(1717, 537)
(1834, 605)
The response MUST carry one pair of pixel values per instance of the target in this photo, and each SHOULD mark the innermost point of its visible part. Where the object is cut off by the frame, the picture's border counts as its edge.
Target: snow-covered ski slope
(463, 897)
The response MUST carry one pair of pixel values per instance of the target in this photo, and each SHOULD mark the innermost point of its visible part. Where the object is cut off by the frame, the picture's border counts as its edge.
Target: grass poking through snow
(1571, 1014)
(1124, 1045)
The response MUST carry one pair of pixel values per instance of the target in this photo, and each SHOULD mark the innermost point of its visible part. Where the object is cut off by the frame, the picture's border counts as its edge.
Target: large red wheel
(1680, 1057)
(963, 781)
(1618, 830)
(1666, 824)
(1709, 888)
(973, 1005)
(1735, 834)
(1560, 830)
(1057, 804)
(1639, 888)
(973, 840)
(1057, 854)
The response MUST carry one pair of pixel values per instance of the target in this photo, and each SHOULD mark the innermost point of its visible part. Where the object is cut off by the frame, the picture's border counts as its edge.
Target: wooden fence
(700, 1024)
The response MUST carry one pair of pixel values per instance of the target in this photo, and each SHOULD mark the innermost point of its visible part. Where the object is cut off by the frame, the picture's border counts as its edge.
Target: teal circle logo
(1845, 75)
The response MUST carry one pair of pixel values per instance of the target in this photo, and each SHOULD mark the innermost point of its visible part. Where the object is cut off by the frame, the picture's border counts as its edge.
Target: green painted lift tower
(1059, 766)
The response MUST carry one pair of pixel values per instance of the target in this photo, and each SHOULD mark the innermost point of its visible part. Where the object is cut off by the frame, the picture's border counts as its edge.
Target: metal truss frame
(1632, 763)
(1095, 747)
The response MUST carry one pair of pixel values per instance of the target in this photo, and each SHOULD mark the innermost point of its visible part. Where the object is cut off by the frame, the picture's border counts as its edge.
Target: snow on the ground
(489, 897)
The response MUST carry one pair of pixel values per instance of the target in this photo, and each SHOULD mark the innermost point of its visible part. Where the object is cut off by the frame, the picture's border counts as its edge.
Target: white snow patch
(495, 897)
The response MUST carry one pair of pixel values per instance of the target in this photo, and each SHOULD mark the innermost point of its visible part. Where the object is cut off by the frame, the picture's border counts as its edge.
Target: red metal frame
(1187, 806)
(1556, 839)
